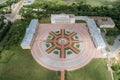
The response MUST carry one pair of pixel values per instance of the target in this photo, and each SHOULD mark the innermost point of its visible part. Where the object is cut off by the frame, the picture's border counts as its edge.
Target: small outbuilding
(105, 22)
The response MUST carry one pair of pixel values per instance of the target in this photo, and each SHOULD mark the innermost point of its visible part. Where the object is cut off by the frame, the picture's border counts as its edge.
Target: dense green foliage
(12, 39)
(112, 32)
(47, 7)
(7, 6)
(111, 35)
(43, 9)
(4, 27)
(116, 69)
(4, 30)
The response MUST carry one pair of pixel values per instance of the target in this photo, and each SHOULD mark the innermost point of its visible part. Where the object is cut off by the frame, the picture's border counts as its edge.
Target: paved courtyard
(63, 46)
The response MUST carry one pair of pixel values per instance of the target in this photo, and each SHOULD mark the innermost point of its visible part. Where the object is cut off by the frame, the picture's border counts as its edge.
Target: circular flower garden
(63, 43)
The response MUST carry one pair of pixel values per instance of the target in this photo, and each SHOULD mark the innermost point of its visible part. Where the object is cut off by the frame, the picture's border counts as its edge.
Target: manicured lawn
(95, 70)
(45, 20)
(79, 21)
(22, 66)
(95, 2)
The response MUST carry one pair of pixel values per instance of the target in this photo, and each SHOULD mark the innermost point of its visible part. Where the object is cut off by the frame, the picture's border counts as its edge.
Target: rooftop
(104, 20)
(29, 33)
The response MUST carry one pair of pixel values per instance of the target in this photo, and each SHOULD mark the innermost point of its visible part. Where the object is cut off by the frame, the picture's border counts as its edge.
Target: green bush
(110, 39)
(115, 67)
(4, 30)
(107, 49)
(112, 32)
(12, 39)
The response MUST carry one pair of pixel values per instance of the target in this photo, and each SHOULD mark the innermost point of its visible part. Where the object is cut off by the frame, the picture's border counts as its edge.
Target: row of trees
(4, 27)
(44, 9)
(15, 34)
(12, 39)
(54, 7)
(2, 21)
(4, 30)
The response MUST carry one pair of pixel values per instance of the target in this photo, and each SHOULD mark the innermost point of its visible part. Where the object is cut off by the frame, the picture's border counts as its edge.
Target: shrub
(115, 67)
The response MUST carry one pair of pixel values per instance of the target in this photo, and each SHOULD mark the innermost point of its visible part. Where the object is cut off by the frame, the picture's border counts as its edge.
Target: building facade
(62, 18)
(65, 19)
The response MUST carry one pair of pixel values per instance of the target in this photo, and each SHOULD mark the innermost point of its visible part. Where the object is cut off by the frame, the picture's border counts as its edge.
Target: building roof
(95, 32)
(62, 15)
(29, 33)
(103, 20)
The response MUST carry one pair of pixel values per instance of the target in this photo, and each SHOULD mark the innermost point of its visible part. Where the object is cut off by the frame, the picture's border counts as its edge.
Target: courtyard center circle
(62, 41)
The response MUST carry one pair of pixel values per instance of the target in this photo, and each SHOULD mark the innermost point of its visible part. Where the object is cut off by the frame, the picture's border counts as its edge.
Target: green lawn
(110, 39)
(80, 21)
(22, 66)
(45, 20)
(95, 2)
(95, 70)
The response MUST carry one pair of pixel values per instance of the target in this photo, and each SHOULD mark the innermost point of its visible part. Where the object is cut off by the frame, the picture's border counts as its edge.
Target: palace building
(62, 18)
(64, 44)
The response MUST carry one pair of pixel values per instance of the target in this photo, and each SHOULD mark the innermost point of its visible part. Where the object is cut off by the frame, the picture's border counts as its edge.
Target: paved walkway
(62, 75)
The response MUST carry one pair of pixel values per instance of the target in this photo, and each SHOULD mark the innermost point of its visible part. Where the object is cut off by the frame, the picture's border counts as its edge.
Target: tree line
(4, 27)
(79, 8)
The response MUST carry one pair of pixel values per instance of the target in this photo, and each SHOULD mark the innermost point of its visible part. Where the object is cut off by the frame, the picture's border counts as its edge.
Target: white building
(96, 34)
(30, 34)
(62, 18)
(65, 19)
(94, 31)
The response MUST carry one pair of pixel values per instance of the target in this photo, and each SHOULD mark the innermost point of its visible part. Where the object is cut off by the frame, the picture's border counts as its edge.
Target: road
(14, 13)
